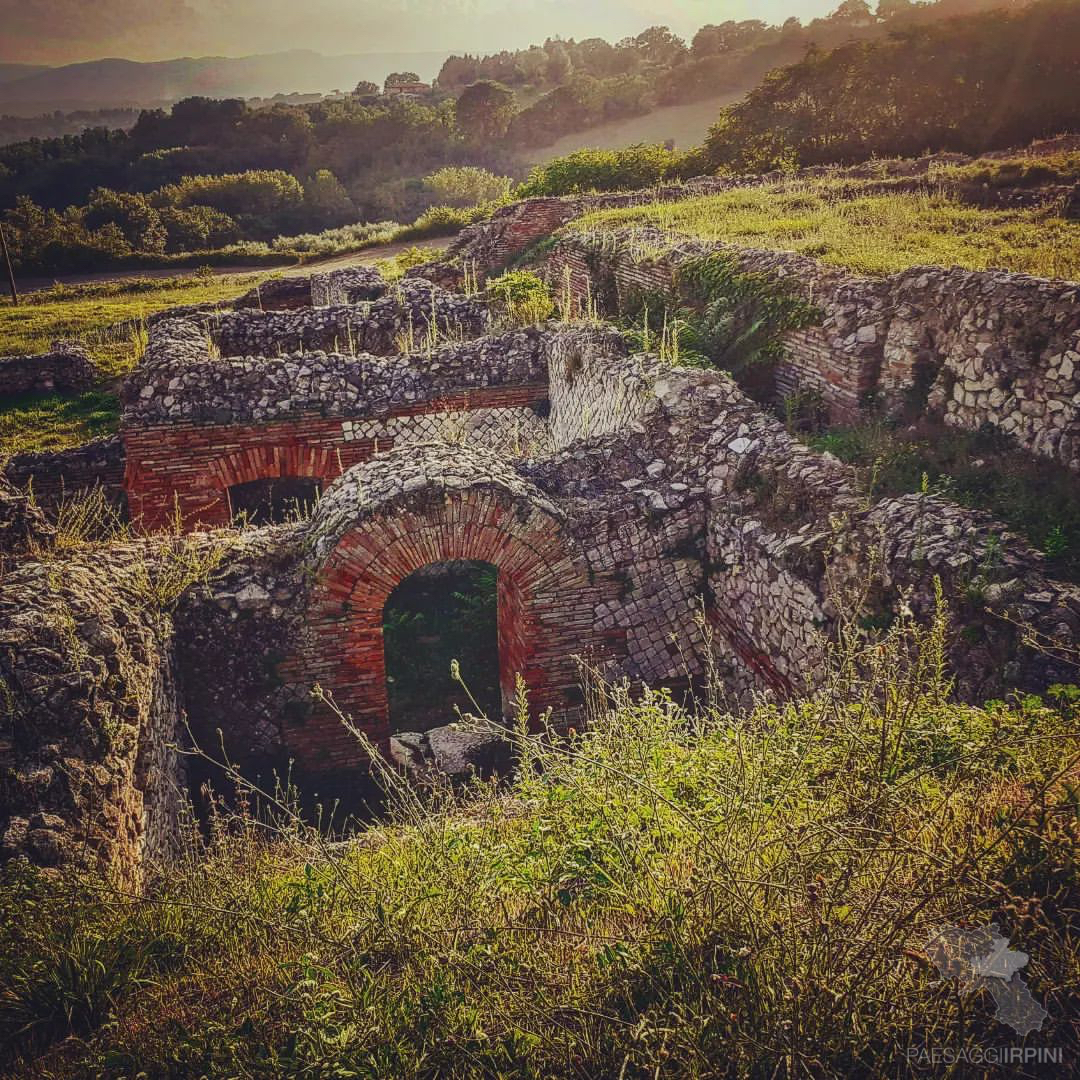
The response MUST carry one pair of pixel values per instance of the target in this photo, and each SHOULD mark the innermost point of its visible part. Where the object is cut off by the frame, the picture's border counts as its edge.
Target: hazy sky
(59, 31)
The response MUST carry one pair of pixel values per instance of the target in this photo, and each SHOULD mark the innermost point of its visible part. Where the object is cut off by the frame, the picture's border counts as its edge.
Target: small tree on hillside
(365, 88)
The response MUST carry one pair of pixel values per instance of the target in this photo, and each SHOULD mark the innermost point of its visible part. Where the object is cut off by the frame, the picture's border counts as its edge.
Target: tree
(891, 9)
(326, 200)
(658, 45)
(484, 110)
(458, 72)
(139, 223)
(365, 88)
(559, 64)
(853, 11)
(401, 78)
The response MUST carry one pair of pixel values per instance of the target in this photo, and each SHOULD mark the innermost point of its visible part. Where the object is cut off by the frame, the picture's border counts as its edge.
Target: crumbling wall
(56, 475)
(89, 715)
(193, 425)
(406, 317)
(65, 369)
(979, 348)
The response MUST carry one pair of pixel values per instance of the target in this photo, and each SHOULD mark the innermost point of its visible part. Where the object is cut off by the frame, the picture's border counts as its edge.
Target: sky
(65, 31)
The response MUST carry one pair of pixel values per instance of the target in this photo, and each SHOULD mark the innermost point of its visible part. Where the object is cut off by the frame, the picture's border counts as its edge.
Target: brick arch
(547, 598)
(267, 462)
(201, 495)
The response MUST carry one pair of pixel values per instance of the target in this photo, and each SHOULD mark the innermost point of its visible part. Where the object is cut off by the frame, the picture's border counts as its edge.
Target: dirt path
(333, 262)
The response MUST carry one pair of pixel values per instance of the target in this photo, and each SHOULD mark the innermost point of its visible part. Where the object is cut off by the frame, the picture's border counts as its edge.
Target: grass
(107, 318)
(1034, 497)
(871, 234)
(85, 312)
(1020, 171)
(660, 894)
(37, 422)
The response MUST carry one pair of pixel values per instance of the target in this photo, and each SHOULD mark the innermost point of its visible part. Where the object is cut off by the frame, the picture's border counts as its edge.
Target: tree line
(209, 174)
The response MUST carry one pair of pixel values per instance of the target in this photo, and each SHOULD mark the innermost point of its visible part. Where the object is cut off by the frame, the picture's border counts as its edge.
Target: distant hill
(113, 83)
(11, 72)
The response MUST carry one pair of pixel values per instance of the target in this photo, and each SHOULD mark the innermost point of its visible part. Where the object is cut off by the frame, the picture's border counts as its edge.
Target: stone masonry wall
(194, 426)
(54, 476)
(991, 348)
(66, 368)
(413, 309)
(89, 717)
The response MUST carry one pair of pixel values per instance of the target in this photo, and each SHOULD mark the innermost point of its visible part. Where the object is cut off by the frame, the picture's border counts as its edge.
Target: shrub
(604, 170)
(719, 316)
(525, 297)
(336, 241)
(444, 221)
(468, 185)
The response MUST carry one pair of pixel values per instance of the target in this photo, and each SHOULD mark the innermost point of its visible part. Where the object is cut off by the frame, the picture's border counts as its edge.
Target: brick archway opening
(443, 613)
(408, 510)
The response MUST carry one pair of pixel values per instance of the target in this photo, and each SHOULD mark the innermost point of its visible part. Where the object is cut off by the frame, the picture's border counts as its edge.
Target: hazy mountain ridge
(113, 82)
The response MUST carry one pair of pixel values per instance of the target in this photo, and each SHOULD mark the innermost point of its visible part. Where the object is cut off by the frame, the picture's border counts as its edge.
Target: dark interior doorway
(274, 500)
(443, 612)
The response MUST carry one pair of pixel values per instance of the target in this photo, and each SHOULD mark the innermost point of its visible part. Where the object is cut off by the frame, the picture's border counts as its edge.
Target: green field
(107, 319)
(872, 233)
(686, 124)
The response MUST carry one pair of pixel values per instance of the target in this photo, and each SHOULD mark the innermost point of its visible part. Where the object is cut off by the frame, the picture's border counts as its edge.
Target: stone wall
(413, 311)
(194, 426)
(88, 773)
(65, 369)
(981, 348)
(57, 475)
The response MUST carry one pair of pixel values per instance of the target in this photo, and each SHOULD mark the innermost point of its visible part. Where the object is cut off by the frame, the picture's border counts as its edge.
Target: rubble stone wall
(66, 368)
(414, 310)
(980, 348)
(56, 475)
(90, 717)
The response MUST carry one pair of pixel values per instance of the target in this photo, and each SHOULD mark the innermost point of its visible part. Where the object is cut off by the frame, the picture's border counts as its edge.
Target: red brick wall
(547, 601)
(187, 468)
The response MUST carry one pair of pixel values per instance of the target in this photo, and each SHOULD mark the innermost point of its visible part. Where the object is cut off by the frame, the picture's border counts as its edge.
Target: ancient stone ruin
(647, 520)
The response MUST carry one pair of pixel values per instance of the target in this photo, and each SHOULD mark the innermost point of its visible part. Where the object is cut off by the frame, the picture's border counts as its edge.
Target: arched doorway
(429, 504)
(441, 613)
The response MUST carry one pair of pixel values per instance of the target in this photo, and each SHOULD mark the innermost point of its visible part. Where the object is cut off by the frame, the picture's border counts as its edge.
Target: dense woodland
(213, 174)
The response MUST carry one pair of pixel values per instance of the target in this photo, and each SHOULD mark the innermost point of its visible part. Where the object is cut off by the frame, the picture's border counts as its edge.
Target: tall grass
(662, 893)
(872, 234)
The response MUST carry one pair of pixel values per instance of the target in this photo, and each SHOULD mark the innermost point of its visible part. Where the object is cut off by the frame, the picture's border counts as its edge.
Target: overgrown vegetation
(869, 233)
(1034, 496)
(609, 170)
(525, 298)
(108, 318)
(718, 316)
(446, 612)
(659, 893)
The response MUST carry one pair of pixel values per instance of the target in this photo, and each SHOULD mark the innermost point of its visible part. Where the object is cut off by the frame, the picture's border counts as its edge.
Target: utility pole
(7, 262)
